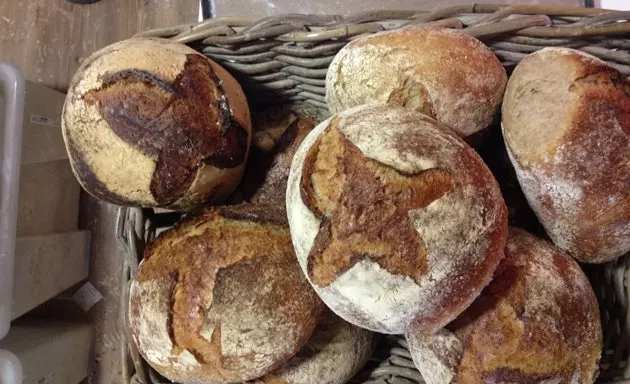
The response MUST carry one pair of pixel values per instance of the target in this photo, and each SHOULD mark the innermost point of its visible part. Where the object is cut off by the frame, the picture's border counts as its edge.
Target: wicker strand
(549, 10)
(500, 27)
(284, 59)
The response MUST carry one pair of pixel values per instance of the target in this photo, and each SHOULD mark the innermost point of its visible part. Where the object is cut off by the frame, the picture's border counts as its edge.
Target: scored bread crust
(537, 322)
(566, 124)
(334, 354)
(220, 298)
(395, 221)
(278, 132)
(151, 122)
(445, 74)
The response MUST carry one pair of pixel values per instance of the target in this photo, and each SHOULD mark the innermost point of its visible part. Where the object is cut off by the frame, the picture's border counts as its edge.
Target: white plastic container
(11, 113)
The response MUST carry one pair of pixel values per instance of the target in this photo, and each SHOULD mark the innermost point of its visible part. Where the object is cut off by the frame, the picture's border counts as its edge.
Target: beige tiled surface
(46, 265)
(262, 8)
(48, 39)
(48, 198)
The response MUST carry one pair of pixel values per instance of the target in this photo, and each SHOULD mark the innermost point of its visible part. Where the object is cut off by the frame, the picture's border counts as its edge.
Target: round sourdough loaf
(566, 124)
(443, 73)
(278, 132)
(220, 298)
(153, 123)
(394, 219)
(537, 322)
(334, 354)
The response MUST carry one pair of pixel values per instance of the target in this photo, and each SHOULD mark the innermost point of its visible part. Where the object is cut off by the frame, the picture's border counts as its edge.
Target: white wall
(623, 5)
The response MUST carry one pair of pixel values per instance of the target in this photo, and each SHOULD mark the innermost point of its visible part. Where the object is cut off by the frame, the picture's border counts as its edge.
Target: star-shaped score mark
(182, 124)
(364, 209)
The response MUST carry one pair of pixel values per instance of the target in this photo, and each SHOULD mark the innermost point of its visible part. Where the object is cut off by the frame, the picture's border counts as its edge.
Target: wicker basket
(283, 59)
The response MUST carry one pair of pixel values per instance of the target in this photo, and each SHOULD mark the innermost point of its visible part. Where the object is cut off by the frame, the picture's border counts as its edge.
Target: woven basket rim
(288, 55)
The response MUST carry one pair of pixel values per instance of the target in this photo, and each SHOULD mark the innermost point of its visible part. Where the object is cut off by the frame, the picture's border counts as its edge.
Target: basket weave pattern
(284, 59)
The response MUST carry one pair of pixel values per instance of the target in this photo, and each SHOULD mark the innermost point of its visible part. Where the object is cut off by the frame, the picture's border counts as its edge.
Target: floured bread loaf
(278, 132)
(336, 351)
(537, 322)
(220, 298)
(566, 123)
(152, 123)
(394, 219)
(443, 73)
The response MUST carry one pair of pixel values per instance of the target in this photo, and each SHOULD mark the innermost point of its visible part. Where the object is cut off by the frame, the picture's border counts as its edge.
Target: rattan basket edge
(286, 56)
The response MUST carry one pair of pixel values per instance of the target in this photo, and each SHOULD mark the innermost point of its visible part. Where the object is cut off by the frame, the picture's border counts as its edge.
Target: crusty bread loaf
(220, 298)
(394, 219)
(443, 73)
(150, 122)
(278, 132)
(566, 123)
(336, 351)
(537, 322)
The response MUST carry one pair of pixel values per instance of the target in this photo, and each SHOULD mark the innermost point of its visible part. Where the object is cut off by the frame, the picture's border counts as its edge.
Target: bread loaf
(278, 132)
(566, 124)
(394, 219)
(537, 322)
(220, 298)
(153, 123)
(335, 352)
(443, 73)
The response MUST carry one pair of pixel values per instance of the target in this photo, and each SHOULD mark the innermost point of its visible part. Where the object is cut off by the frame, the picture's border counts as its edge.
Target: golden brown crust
(334, 354)
(278, 133)
(218, 271)
(538, 320)
(574, 169)
(531, 341)
(442, 73)
(269, 126)
(183, 122)
(394, 218)
(364, 207)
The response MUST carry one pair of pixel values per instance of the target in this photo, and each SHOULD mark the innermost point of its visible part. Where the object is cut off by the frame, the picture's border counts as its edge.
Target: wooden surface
(49, 38)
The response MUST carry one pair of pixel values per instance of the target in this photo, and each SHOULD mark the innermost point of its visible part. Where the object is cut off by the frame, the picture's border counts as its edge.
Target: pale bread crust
(119, 171)
(442, 73)
(220, 297)
(537, 322)
(463, 231)
(334, 354)
(566, 124)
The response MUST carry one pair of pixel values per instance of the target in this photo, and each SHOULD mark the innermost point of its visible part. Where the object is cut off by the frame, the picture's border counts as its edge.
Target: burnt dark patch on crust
(257, 213)
(174, 279)
(182, 125)
(602, 75)
(269, 163)
(364, 208)
(135, 76)
(506, 375)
